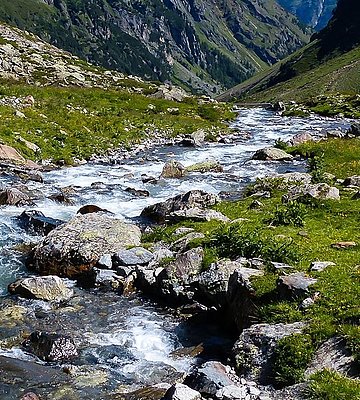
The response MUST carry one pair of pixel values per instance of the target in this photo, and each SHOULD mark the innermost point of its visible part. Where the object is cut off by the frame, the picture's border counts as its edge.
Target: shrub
(316, 167)
(291, 357)
(293, 213)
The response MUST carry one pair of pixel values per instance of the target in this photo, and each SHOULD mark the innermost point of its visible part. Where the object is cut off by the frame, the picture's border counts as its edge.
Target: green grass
(69, 123)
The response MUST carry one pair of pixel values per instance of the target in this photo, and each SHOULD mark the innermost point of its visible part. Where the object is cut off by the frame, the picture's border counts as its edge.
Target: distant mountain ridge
(205, 45)
(315, 13)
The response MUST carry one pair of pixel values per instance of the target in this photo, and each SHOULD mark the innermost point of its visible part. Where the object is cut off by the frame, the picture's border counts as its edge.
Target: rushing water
(132, 341)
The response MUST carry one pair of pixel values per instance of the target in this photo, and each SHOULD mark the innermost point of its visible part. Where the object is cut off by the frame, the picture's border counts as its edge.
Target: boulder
(14, 197)
(335, 356)
(162, 212)
(294, 285)
(205, 166)
(73, 249)
(137, 192)
(186, 265)
(182, 243)
(272, 154)
(167, 92)
(195, 139)
(37, 222)
(319, 266)
(240, 296)
(334, 134)
(343, 245)
(180, 391)
(294, 178)
(133, 256)
(255, 347)
(108, 280)
(299, 138)
(48, 288)
(90, 208)
(51, 346)
(173, 169)
(321, 191)
(197, 214)
(9, 154)
(209, 378)
(352, 181)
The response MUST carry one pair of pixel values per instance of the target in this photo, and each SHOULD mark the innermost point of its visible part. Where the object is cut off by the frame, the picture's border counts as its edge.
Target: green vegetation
(328, 385)
(69, 123)
(300, 234)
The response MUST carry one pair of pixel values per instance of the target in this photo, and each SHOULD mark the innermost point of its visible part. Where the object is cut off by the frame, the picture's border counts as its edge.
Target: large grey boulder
(321, 191)
(255, 347)
(133, 256)
(205, 166)
(51, 346)
(36, 221)
(173, 169)
(333, 355)
(240, 296)
(186, 265)
(272, 154)
(14, 197)
(162, 212)
(180, 391)
(73, 249)
(197, 214)
(48, 288)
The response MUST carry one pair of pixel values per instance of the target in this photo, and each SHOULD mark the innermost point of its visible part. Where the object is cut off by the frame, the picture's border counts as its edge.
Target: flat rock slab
(295, 285)
(344, 245)
(272, 154)
(321, 191)
(319, 266)
(133, 256)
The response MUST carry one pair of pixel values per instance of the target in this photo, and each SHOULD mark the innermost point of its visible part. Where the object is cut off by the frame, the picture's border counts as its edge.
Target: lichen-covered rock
(133, 256)
(198, 215)
(205, 166)
(272, 154)
(51, 346)
(48, 288)
(162, 212)
(173, 169)
(255, 347)
(73, 249)
(321, 191)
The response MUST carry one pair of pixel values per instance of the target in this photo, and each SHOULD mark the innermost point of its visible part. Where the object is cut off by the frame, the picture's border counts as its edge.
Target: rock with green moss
(205, 166)
(73, 249)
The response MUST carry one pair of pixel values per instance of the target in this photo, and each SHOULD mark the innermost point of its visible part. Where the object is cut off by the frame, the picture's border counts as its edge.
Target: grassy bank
(69, 123)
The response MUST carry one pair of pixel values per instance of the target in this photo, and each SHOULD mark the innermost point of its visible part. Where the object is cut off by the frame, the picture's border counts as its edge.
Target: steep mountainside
(315, 13)
(205, 45)
(329, 64)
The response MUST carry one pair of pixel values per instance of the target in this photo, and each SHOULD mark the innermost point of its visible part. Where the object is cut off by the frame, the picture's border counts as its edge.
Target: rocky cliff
(204, 45)
(315, 13)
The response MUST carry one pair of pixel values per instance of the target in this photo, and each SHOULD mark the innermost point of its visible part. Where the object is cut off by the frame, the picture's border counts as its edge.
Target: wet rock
(14, 197)
(294, 285)
(205, 166)
(195, 139)
(105, 261)
(278, 106)
(272, 154)
(209, 378)
(321, 191)
(354, 130)
(240, 296)
(299, 138)
(213, 283)
(162, 212)
(51, 346)
(73, 249)
(180, 391)
(138, 192)
(90, 208)
(320, 266)
(108, 279)
(37, 222)
(335, 356)
(192, 351)
(352, 181)
(48, 288)
(155, 392)
(344, 245)
(197, 214)
(60, 198)
(148, 179)
(255, 347)
(133, 256)
(173, 169)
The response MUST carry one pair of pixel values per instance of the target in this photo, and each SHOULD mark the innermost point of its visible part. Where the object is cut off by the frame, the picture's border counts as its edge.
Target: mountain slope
(205, 45)
(315, 13)
(329, 64)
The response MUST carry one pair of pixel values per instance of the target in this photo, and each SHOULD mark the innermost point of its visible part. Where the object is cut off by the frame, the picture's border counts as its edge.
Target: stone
(344, 245)
(352, 181)
(205, 166)
(334, 133)
(209, 378)
(73, 249)
(169, 93)
(197, 214)
(192, 351)
(32, 146)
(301, 137)
(182, 243)
(9, 154)
(195, 139)
(354, 130)
(30, 396)
(48, 288)
(272, 154)
(51, 346)
(89, 209)
(320, 266)
(240, 296)
(108, 279)
(173, 169)
(105, 261)
(185, 265)
(232, 392)
(180, 391)
(162, 212)
(321, 191)
(133, 256)
(37, 222)
(14, 197)
(254, 349)
(138, 192)
(335, 356)
(294, 178)
(281, 266)
(294, 285)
